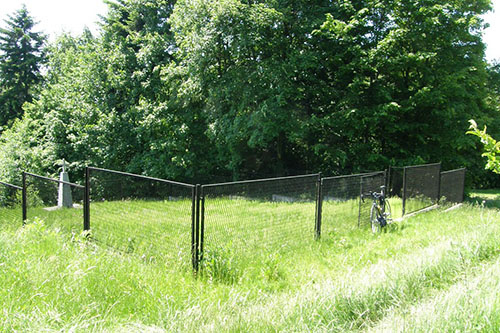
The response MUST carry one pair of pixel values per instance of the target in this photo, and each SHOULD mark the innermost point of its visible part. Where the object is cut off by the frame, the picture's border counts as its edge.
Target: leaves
(210, 90)
(491, 147)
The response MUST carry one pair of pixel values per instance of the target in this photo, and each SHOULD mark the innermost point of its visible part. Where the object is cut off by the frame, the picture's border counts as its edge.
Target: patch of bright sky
(492, 34)
(57, 16)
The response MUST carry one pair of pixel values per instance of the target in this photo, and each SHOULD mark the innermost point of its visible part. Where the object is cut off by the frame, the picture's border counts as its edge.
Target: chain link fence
(150, 217)
(179, 224)
(10, 204)
(452, 186)
(342, 207)
(420, 187)
(250, 218)
(369, 183)
(43, 201)
(395, 180)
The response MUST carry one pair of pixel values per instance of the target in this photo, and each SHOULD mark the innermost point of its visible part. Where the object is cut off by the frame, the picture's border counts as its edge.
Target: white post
(64, 196)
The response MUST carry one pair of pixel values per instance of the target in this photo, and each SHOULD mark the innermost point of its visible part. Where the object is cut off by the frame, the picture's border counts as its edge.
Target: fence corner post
(439, 184)
(86, 203)
(195, 228)
(319, 207)
(202, 225)
(387, 180)
(24, 200)
(463, 187)
(404, 192)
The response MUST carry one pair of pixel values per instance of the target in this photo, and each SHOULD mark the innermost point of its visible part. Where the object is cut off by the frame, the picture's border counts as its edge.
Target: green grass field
(415, 276)
(237, 231)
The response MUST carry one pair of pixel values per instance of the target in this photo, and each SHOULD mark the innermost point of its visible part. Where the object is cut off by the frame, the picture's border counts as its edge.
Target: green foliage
(205, 91)
(491, 147)
(24, 148)
(219, 266)
(411, 72)
(21, 58)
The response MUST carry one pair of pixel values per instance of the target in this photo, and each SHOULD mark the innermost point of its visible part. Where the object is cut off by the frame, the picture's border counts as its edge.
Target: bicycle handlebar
(373, 195)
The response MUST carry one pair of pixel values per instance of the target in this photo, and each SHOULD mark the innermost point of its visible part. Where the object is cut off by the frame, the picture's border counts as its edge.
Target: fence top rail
(375, 173)
(261, 180)
(143, 177)
(454, 170)
(55, 180)
(10, 185)
(422, 165)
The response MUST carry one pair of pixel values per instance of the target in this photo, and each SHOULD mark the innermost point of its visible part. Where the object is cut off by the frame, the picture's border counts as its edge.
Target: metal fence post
(24, 200)
(196, 229)
(404, 191)
(463, 189)
(439, 185)
(86, 203)
(360, 200)
(202, 224)
(319, 206)
(194, 245)
(387, 176)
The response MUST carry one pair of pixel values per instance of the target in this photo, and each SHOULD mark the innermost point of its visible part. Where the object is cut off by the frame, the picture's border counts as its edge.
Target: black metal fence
(342, 206)
(10, 202)
(420, 186)
(395, 176)
(151, 217)
(177, 223)
(452, 186)
(253, 216)
(42, 200)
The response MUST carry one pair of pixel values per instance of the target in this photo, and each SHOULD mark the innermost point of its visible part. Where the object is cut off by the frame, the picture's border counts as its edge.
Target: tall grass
(472, 304)
(52, 279)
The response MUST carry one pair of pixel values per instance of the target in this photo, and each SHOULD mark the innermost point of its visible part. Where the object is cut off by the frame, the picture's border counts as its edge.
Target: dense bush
(205, 91)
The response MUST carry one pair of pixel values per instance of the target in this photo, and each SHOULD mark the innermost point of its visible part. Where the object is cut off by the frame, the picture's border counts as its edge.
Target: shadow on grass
(486, 198)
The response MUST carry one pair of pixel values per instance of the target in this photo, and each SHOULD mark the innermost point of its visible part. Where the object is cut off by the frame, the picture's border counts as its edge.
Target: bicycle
(380, 212)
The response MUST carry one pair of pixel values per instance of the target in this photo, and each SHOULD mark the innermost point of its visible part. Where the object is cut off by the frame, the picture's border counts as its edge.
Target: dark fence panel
(421, 187)
(369, 183)
(10, 203)
(395, 182)
(342, 205)
(250, 218)
(42, 195)
(150, 217)
(452, 186)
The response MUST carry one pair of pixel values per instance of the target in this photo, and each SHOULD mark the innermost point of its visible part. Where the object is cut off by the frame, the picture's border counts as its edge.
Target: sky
(57, 16)
(492, 34)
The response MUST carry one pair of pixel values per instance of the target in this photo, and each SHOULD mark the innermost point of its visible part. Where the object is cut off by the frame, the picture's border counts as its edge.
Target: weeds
(219, 265)
(433, 271)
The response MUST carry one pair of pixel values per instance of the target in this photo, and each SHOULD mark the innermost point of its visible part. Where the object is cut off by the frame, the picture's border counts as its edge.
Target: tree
(21, 56)
(413, 73)
(258, 71)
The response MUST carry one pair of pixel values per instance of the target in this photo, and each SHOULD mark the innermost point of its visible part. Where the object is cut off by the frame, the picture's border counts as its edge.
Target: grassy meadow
(438, 270)
(236, 229)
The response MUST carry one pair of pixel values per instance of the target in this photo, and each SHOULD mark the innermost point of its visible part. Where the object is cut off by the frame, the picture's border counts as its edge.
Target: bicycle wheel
(387, 212)
(375, 219)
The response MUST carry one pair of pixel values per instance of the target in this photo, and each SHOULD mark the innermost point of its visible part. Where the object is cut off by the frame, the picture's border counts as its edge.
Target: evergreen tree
(21, 56)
